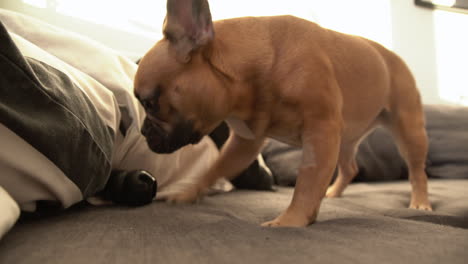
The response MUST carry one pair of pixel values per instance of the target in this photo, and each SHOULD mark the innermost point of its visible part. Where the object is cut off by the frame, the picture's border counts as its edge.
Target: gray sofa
(370, 224)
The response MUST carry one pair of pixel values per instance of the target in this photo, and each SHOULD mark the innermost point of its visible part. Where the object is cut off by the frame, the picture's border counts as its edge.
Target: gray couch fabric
(447, 128)
(370, 224)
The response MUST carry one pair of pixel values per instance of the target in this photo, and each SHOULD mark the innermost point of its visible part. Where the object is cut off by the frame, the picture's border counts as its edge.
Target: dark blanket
(378, 157)
(370, 224)
(44, 107)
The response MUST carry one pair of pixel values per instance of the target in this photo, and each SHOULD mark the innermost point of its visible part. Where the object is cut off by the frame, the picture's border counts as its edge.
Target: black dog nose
(133, 188)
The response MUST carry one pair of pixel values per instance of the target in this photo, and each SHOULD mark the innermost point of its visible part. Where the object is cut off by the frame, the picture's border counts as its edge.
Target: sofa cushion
(447, 128)
(369, 224)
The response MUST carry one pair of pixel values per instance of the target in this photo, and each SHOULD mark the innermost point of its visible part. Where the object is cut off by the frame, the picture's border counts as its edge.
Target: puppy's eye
(172, 110)
(150, 105)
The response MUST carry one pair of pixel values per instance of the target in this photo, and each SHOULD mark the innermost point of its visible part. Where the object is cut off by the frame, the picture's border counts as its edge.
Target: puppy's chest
(282, 130)
(285, 124)
(285, 132)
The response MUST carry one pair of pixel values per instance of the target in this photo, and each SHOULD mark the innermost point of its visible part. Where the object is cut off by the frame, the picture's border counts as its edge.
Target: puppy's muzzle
(160, 141)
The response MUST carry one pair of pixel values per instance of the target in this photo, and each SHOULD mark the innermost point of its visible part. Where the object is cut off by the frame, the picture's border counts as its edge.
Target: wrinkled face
(179, 88)
(183, 100)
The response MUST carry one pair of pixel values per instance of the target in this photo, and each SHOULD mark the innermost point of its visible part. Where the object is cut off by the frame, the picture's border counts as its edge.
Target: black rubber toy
(132, 188)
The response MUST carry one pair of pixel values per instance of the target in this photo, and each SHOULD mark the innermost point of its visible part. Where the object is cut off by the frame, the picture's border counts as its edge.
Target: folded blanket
(68, 117)
(10, 212)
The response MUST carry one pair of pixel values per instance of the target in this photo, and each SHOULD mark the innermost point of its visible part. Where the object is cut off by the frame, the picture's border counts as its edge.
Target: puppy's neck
(241, 73)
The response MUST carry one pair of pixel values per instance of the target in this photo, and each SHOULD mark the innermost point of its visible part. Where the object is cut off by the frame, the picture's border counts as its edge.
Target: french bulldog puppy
(280, 77)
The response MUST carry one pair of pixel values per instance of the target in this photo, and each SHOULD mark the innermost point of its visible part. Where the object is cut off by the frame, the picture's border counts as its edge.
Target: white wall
(451, 43)
(433, 43)
(413, 39)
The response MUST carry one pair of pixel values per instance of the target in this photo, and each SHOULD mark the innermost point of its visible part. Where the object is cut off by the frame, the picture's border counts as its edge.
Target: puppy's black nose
(134, 188)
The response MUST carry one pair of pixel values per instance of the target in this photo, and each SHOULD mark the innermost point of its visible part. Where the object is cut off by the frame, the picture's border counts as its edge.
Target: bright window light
(36, 3)
(368, 18)
(142, 17)
(451, 44)
(448, 3)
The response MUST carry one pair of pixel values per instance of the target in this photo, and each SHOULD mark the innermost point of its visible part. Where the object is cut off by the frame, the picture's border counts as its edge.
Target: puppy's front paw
(420, 203)
(289, 220)
(272, 223)
(286, 223)
(185, 196)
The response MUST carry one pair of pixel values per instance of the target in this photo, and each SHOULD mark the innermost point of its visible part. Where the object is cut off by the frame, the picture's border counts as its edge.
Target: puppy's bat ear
(188, 26)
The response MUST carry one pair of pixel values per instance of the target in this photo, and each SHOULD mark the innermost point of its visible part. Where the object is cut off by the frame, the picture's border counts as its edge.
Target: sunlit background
(434, 43)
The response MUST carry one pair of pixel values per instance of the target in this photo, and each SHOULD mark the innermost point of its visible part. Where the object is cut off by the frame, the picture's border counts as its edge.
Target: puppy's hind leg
(405, 119)
(347, 170)
(409, 132)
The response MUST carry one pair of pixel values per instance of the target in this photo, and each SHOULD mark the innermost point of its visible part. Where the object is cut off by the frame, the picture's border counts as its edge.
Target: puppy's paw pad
(423, 207)
(272, 223)
(183, 198)
(283, 221)
(420, 202)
